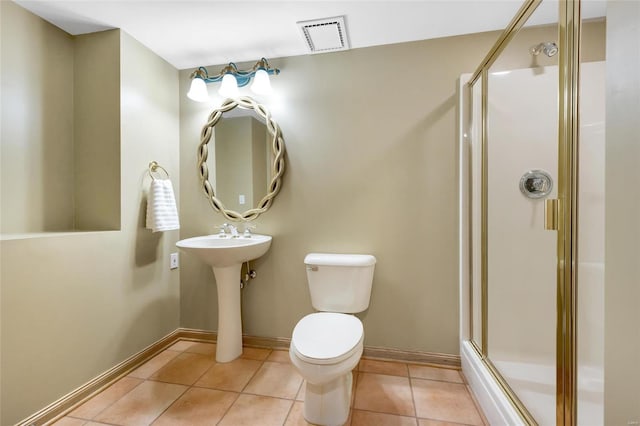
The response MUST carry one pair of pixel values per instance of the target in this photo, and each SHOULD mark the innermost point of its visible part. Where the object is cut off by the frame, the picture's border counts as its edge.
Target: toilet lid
(326, 336)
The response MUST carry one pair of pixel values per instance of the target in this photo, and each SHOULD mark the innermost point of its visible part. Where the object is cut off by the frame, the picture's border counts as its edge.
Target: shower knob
(536, 184)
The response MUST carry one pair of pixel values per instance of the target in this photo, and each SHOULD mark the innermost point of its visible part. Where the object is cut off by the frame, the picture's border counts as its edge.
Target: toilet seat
(327, 337)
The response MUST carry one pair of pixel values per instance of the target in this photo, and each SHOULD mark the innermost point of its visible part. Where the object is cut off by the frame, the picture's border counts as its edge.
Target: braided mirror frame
(277, 148)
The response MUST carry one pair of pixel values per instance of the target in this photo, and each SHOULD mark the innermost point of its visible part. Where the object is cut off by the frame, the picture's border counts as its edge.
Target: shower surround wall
(622, 210)
(73, 305)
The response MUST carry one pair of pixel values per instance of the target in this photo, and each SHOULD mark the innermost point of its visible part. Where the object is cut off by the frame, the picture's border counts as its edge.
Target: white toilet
(327, 345)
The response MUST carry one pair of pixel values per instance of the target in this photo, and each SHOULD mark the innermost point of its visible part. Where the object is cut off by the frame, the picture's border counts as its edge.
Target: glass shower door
(522, 163)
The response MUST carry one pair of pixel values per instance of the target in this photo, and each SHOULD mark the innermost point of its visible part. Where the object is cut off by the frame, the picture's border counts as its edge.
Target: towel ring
(153, 168)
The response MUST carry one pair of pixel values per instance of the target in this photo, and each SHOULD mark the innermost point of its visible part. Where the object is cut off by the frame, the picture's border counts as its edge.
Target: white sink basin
(225, 256)
(217, 251)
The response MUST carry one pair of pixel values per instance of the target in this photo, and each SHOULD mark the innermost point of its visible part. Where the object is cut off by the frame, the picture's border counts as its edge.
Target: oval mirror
(247, 159)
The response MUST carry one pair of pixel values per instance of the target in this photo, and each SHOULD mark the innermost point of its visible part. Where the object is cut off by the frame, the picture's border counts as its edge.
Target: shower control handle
(536, 184)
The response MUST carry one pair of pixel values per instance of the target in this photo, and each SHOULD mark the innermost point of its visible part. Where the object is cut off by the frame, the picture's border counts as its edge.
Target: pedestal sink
(225, 255)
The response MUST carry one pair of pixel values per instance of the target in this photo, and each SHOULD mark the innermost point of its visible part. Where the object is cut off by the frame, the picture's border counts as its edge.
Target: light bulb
(229, 86)
(198, 90)
(261, 83)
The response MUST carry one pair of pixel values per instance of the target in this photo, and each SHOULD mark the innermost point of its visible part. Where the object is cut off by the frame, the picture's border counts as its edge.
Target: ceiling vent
(325, 35)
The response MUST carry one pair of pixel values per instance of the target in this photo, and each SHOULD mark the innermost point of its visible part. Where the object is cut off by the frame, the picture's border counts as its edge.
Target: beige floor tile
(427, 422)
(435, 373)
(369, 418)
(354, 385)
(230, 376)
(259, 354)
(444, 401)
(182, 345)
(202, 348)
(184, 369)
(477, 405)
(252, 410)
(275, 379)
(279, 356)
(301, 391)
(154, 364)
(142, 405)
(383, 367)
(296, 416)
(197, 406)
(69, 421)
(95, 405)
(384, 393)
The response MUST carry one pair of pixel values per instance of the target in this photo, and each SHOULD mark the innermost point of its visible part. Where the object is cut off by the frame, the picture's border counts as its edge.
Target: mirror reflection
(241, 159)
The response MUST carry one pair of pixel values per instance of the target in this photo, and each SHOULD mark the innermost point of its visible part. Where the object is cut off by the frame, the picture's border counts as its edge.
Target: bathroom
(101, 289)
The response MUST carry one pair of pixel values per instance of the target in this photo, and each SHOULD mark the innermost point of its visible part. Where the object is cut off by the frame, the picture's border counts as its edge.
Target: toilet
(327, 345)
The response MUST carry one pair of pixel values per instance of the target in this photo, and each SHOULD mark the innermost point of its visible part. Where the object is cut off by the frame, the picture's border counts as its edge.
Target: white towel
(162, 214)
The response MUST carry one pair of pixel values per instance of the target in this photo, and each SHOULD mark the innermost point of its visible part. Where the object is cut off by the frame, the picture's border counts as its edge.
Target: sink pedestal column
(229, 344)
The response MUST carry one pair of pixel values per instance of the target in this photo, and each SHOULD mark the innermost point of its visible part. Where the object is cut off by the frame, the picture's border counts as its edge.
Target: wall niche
(60, 128)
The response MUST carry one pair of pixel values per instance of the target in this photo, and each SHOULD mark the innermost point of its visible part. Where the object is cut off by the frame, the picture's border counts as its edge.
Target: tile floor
(183, 385)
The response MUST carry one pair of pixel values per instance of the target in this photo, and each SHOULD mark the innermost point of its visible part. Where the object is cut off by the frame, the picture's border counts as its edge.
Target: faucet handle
(222, 230)
(247, 230)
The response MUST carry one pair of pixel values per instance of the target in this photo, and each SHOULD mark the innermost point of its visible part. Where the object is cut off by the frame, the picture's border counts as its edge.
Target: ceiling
(188, 34)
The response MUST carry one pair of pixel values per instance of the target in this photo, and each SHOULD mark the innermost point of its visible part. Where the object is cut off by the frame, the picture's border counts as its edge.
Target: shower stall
(532, 225)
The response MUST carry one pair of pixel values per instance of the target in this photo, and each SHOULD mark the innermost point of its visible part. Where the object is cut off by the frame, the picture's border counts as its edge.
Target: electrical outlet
(173, 261)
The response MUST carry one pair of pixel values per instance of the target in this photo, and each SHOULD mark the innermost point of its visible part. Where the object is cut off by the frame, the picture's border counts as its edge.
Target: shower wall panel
(591, 197)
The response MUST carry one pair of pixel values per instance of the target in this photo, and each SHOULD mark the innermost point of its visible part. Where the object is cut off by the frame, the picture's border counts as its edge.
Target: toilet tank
(340, 282)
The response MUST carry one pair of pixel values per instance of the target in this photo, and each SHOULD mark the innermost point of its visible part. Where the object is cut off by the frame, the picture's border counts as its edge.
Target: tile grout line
(149, 379)
(242, 391)
(290, 410)
(466, 387)
(109, 405)
(170, 405)
(188, 387)
(413, 398)
(352, 403)
(417, 418)
(254, 373)
(477, 405)
(228, 408)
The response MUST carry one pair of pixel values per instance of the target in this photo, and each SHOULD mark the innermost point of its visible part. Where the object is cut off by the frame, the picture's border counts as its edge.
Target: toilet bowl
(326, 346)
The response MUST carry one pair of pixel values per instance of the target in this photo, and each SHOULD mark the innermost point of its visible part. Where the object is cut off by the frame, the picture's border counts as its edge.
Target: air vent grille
(325, 35)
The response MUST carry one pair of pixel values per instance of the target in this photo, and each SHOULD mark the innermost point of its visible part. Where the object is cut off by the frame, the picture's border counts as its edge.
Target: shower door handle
(551, 214)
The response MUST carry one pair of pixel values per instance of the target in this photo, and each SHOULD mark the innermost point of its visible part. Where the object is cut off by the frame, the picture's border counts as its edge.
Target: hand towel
(162, 214)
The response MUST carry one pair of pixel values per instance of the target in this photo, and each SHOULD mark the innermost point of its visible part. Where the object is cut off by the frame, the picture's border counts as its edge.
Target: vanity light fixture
(232, 78)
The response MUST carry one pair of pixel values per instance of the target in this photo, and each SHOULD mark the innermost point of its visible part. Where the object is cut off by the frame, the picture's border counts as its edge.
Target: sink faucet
(231, 229)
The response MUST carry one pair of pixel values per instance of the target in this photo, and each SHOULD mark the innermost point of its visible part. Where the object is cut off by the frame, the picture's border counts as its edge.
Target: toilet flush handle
(312, 267)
